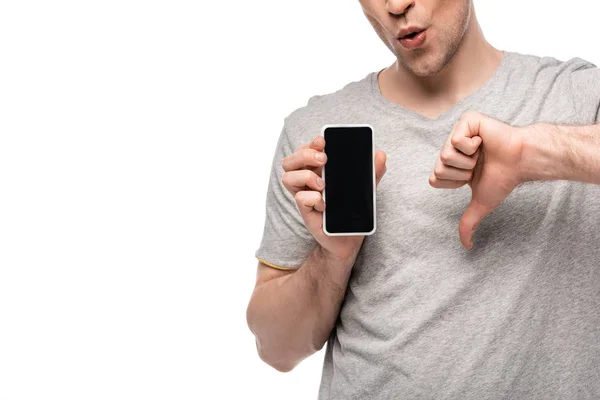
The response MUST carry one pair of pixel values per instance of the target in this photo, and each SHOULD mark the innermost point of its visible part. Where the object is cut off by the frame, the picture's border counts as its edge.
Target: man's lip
(407, 31)
(414, 42)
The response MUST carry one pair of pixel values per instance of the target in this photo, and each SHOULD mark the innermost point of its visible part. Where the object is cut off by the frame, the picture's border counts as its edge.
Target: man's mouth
(412, 37)
(409, 32)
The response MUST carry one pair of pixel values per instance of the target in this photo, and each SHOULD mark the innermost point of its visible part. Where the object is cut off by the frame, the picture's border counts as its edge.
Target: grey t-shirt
(516, 317)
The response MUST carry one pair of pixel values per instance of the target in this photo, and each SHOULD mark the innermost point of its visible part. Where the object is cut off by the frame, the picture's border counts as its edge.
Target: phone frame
(374, 180)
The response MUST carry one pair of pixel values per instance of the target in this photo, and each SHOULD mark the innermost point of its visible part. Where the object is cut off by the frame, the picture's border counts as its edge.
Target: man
(509, 311)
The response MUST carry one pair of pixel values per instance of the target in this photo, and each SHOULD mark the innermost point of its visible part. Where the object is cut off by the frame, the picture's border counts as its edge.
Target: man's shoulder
(327, 107)
(540, 66)
(544, 87)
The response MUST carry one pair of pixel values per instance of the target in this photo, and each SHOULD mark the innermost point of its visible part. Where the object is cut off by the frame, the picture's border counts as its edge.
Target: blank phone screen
(348, 175)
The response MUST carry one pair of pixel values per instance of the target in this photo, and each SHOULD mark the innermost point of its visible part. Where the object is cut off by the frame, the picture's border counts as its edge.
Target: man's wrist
(561, 152)
(325, 268)
(540, 153)
(336, 260)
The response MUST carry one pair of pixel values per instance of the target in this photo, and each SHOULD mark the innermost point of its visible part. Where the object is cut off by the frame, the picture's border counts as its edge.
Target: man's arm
(510, 156)
(292, 313)
(561, 152)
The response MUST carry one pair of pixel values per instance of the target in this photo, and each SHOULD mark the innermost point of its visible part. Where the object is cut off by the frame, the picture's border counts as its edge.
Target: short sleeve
(286, 242)
(585, 83)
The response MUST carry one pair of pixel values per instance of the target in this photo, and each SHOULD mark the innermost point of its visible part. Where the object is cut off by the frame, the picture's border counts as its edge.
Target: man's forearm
(292, 316)
(561, 152)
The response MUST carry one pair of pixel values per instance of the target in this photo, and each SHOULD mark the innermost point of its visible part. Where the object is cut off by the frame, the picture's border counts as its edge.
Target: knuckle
(455, 140)
(445, 156)
(432, 180)
(300, 196)
(306, 196)
(310, 176)
(438, 171)
(473, 149)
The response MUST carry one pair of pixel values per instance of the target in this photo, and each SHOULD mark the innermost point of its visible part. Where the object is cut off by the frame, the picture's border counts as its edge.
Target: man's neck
(473, 64)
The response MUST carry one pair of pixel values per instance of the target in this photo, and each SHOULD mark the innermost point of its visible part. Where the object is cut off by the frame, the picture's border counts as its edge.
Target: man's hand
(302, 178)
(486, 154)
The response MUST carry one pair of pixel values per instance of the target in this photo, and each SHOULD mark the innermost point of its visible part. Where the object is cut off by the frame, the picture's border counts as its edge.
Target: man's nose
(398, 6)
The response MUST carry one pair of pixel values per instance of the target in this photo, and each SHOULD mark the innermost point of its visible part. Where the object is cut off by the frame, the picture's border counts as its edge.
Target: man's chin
(425, 66)
(425, 73)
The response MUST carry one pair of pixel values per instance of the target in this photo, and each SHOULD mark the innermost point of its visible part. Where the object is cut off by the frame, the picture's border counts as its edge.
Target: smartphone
(349, 176)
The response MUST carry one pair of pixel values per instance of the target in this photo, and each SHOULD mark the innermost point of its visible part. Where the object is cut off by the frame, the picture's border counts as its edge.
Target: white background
(135, 144)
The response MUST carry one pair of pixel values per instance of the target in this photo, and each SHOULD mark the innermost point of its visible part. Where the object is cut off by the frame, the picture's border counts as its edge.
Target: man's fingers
(311, 206)
(304, 158)
(309, 199)
(463, 143)
(295, 181)
(464, 136)
(318, 143)
(444, 183)
(442, 171)
(454, 158)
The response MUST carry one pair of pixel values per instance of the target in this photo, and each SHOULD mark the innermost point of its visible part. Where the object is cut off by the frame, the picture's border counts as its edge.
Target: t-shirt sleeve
(585, 83)
(286, 242)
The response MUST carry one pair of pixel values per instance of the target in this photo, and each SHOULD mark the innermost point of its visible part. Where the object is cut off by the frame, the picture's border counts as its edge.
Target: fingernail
(320, 156)
(320, 182)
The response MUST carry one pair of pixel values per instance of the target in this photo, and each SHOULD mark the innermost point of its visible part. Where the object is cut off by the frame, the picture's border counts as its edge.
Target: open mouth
(411, 35)
(413, 40)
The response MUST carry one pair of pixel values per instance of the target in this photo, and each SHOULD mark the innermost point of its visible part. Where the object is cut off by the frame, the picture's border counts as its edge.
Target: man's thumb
(380, 165)
(472, 217)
